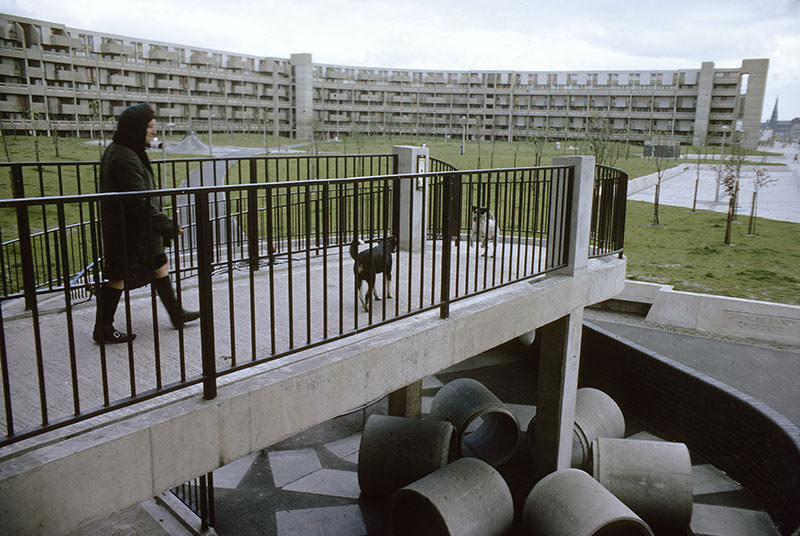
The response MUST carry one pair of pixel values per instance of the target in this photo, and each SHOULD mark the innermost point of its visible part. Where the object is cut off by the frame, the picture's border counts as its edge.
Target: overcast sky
(517, 35)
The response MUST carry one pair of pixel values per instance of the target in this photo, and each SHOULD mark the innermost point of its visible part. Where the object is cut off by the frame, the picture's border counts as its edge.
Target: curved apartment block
(53, 77)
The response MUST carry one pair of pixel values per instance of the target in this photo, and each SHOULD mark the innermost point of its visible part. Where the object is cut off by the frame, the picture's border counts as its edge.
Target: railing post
(580, 212)
(412, 213)
(24, 231)
(206, 297)
(449, 187)
(619, 212)
(252, 218)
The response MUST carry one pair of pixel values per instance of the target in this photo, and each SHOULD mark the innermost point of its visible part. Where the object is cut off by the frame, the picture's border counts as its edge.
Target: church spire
(774, 117)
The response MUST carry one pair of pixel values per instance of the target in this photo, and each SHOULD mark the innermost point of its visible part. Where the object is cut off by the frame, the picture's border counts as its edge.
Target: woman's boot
(178, 315)
(104, 331)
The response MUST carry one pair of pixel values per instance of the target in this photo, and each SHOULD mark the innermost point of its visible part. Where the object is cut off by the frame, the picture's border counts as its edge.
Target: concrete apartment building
(74, 80)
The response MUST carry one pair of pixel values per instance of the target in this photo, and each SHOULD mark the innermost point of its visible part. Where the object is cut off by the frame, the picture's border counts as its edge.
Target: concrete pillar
(407, 402)
(412, 214)
(557, 385)
(303, 95)
(753, 96)
(705, 84)
(581, 201)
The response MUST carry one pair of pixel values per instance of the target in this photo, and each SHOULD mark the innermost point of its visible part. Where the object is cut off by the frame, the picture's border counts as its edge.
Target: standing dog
(369, 263)
(483, 228)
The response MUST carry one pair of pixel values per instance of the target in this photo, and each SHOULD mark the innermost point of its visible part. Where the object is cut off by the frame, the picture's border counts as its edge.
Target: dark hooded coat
(135, 231)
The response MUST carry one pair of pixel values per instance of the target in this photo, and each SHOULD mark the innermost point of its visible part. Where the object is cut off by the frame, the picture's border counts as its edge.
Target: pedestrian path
(779, 200)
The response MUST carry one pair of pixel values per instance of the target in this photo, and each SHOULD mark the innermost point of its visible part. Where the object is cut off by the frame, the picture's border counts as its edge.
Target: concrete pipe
(596, 415)
(465, 498)
(396, 451)
(485, 428)
(653, 478)
(571, 503)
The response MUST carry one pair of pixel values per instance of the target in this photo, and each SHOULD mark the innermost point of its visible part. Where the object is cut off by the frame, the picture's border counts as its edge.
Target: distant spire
(774, 117)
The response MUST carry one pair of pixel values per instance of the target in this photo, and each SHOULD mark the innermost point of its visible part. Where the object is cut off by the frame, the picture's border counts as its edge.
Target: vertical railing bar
(204, 267)
(447, 193)
(325, 240)
(271, 254)
(307, 211)
(290, 268)
(62, 226)
(6, 380)
(231, 300)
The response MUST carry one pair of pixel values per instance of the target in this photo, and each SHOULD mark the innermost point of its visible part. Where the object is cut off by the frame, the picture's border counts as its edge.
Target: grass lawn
(686, 251)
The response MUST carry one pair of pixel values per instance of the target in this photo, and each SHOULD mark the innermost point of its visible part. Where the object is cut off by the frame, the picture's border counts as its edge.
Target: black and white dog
(369, 263)
(483, 228)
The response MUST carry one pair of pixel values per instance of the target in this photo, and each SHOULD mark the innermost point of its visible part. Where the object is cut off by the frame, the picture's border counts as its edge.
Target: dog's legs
(387, 284)
(361, 296)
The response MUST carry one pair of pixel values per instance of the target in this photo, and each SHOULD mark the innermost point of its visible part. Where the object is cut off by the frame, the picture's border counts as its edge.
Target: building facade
(55, 78)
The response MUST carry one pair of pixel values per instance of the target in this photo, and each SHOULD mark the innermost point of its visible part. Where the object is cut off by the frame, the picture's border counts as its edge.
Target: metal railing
(268, 264)
(198, 496)
(610, 190)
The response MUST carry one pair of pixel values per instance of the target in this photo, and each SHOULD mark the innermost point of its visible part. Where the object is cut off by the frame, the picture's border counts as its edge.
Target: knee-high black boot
(178, 315)
(104, 331)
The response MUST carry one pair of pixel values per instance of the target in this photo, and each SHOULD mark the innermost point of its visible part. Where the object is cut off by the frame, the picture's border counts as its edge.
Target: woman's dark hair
(132, 127)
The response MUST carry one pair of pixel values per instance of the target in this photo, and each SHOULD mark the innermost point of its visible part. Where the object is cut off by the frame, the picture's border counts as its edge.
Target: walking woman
(135, 231)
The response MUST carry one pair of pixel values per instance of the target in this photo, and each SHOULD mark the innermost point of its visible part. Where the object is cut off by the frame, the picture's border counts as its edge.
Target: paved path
(777, 201)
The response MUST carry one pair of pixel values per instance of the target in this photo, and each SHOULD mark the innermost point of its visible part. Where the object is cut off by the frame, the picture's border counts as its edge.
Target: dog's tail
(354, 247)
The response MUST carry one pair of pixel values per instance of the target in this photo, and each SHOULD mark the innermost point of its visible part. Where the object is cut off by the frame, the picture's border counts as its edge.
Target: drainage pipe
(485, 428)
(465, 498)
(596, 415)
(396, 451)
(653, 478)
(571, 503)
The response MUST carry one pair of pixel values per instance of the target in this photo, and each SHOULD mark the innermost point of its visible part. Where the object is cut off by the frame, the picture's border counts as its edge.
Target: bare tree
(536, 140)
(600, 140)
(700, 160)
(729, 183)
(761, 180)
(661, 158)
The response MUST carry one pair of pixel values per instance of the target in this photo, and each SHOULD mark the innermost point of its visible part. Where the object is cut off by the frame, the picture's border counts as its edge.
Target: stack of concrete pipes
(440, 475)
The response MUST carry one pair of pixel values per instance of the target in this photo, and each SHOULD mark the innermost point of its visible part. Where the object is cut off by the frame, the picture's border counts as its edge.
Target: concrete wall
(751, 442)
(716, 315)
(52, 483)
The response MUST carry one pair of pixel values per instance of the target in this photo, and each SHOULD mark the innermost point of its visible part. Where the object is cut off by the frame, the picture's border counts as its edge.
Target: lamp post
(463, 132)
(719, 166)
(164, 150)
(210, 134)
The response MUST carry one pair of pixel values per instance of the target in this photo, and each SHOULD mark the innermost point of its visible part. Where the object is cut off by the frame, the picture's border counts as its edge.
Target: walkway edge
(736, 318)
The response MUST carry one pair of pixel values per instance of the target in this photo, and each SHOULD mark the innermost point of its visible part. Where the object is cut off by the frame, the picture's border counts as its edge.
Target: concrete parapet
(53, 483)
(717, 315)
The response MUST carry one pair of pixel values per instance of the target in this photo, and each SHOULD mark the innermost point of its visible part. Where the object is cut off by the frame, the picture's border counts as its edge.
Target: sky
(532, 35)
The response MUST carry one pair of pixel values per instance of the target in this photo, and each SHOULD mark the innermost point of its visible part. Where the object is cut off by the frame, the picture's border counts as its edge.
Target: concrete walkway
(777, 201)
(307, 484)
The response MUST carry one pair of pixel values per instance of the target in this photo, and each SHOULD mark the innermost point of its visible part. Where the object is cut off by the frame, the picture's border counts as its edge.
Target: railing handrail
(222, 188)
(319, 217)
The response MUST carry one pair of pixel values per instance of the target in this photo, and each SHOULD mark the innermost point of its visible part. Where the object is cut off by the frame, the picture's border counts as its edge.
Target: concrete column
(556, 388)
(412, 217)
(705, 83)
(581, 201)
(407, 402)
(753, 96)
(303, 95)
